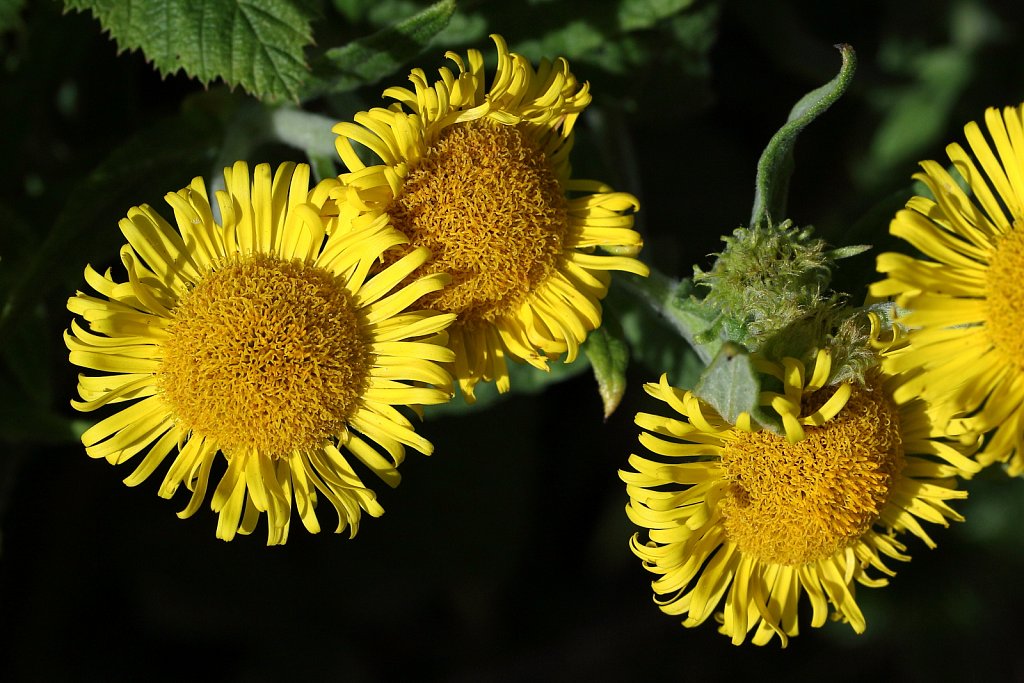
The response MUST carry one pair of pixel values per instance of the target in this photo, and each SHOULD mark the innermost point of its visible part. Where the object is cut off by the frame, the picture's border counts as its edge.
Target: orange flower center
(793, 503)
(1004, 299)
(265, 354)
(486, 201)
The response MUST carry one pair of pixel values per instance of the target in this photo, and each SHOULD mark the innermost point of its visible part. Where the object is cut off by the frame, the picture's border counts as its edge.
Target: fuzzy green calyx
(769, 290)
(764, 277)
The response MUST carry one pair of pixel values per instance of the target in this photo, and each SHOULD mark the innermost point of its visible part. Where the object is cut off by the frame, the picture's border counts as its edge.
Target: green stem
(776, 163)
(671, 299)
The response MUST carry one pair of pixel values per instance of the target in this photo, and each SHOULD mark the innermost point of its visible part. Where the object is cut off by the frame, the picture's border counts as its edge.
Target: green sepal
(848, 251)
(776, 164)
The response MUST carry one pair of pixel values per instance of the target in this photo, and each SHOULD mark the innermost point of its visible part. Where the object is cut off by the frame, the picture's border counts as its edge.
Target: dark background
(504, 555)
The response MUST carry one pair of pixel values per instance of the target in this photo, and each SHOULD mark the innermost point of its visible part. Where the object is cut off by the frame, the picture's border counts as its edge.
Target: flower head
(962, 303)
(482, 178)
(261, 337)
(752, 518)
(769, 290)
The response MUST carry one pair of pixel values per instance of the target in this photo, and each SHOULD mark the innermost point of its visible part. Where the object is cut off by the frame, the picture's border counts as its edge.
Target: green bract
(770, 290)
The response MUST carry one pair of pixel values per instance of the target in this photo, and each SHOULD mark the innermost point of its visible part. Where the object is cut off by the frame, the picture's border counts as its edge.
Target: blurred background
(504, 555)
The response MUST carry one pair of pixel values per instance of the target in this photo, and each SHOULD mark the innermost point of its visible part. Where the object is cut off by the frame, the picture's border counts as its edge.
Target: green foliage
(924, 87)
(525, 379)
(608, 354)
(776, 164)
(88, 220)
(574, 39)
(769, 290)
(621, 46)
(255, 44)
(9, 11)
(641, 14)
(367, 60)
(564, 30)
(260, 45)
(652, 332)
(680, 43)
(732, 386)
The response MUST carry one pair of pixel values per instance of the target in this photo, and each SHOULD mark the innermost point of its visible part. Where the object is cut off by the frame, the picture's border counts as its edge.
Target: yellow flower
(754, 519)
(259, 336)
(963, 302)
(482, 178)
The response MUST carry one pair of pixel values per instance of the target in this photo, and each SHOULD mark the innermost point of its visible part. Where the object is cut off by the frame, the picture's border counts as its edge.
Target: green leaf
(305, 130)
(631, 63)
(608, 354)
(731, 386)
(691, 320)
(26, 373)
(322, 166)
(919, 113)
(255, 44)
(572, 40)
(525, 379)
(653, 341)
(776, 164)
(160, 159)
(23, 422)
(9, 12)
(370, 59)
(922, 88)
(641, 14)
(846, 252)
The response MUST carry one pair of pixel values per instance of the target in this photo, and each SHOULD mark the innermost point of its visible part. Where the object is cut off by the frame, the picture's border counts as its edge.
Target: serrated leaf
(370, 59)
(608, 354)
(255, 44)
(776, 163)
